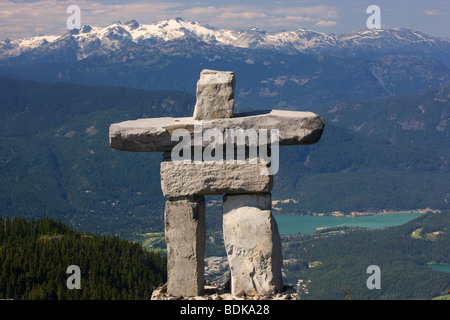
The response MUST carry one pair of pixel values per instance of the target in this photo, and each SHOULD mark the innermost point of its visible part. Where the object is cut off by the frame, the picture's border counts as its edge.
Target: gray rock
(210, 178)
(215, 95)
(147, 135)
(252, 243)
(185, 234)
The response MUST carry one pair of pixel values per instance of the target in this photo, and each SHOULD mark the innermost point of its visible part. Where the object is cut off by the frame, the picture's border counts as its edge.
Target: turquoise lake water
(308, 224)
(440, 267)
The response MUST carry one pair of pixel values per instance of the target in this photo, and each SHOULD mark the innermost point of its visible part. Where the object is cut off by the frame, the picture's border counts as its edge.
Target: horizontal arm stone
(154, 135)
(180, 179)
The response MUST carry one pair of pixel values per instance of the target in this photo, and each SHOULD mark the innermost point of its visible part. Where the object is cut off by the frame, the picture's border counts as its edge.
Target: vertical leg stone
(185, 234)
(252, 243)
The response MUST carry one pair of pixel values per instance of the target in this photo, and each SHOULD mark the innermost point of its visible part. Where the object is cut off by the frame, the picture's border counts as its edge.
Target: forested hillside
(34, 256)
(55, 161)
(420, 120)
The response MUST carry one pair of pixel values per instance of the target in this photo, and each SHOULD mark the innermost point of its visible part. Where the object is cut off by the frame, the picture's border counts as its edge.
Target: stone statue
(220, 153)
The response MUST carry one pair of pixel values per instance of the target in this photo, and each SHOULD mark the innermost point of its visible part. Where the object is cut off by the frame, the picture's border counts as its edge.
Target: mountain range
(295, 70)
(90, 40)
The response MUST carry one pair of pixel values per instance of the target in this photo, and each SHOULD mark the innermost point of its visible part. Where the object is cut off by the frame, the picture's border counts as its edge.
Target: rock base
(221, 293)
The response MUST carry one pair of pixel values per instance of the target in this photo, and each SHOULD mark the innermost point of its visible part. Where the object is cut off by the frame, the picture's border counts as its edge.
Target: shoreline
(363, 213)
(374, 213)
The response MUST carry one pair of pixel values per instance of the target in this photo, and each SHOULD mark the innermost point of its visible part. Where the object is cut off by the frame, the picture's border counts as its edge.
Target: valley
(323, 263)
(57, 161)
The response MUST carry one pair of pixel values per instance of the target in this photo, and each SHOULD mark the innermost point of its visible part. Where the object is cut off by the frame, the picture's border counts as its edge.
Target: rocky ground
(223, 293)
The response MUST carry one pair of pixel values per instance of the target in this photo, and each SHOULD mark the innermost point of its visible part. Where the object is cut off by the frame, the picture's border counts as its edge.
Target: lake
(308, 224)
(440, 267)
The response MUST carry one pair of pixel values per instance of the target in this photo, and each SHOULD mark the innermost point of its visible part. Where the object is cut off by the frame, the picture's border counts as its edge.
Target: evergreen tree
(34, 256)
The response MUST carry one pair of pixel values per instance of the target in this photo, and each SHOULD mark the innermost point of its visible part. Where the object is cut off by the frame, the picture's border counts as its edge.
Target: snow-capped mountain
(90, 40)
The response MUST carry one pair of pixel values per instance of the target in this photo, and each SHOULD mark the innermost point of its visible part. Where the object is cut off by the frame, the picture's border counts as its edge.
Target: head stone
(215, 95)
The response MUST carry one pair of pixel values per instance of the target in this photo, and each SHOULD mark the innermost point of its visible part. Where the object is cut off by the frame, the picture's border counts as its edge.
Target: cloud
(271, 16)
(300, 18)
(221, 15)
(243, 15)
(19, 19)
(317, 12)
(326, 23)
(433, 12)
(27, 18)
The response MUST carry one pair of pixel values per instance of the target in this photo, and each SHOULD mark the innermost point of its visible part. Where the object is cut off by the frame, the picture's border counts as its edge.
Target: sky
(26, 18)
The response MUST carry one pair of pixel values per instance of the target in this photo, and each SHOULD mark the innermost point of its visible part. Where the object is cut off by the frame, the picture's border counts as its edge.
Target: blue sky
(25, 18)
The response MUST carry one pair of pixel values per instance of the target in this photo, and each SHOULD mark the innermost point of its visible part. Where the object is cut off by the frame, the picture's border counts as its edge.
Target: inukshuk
(207, 155)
